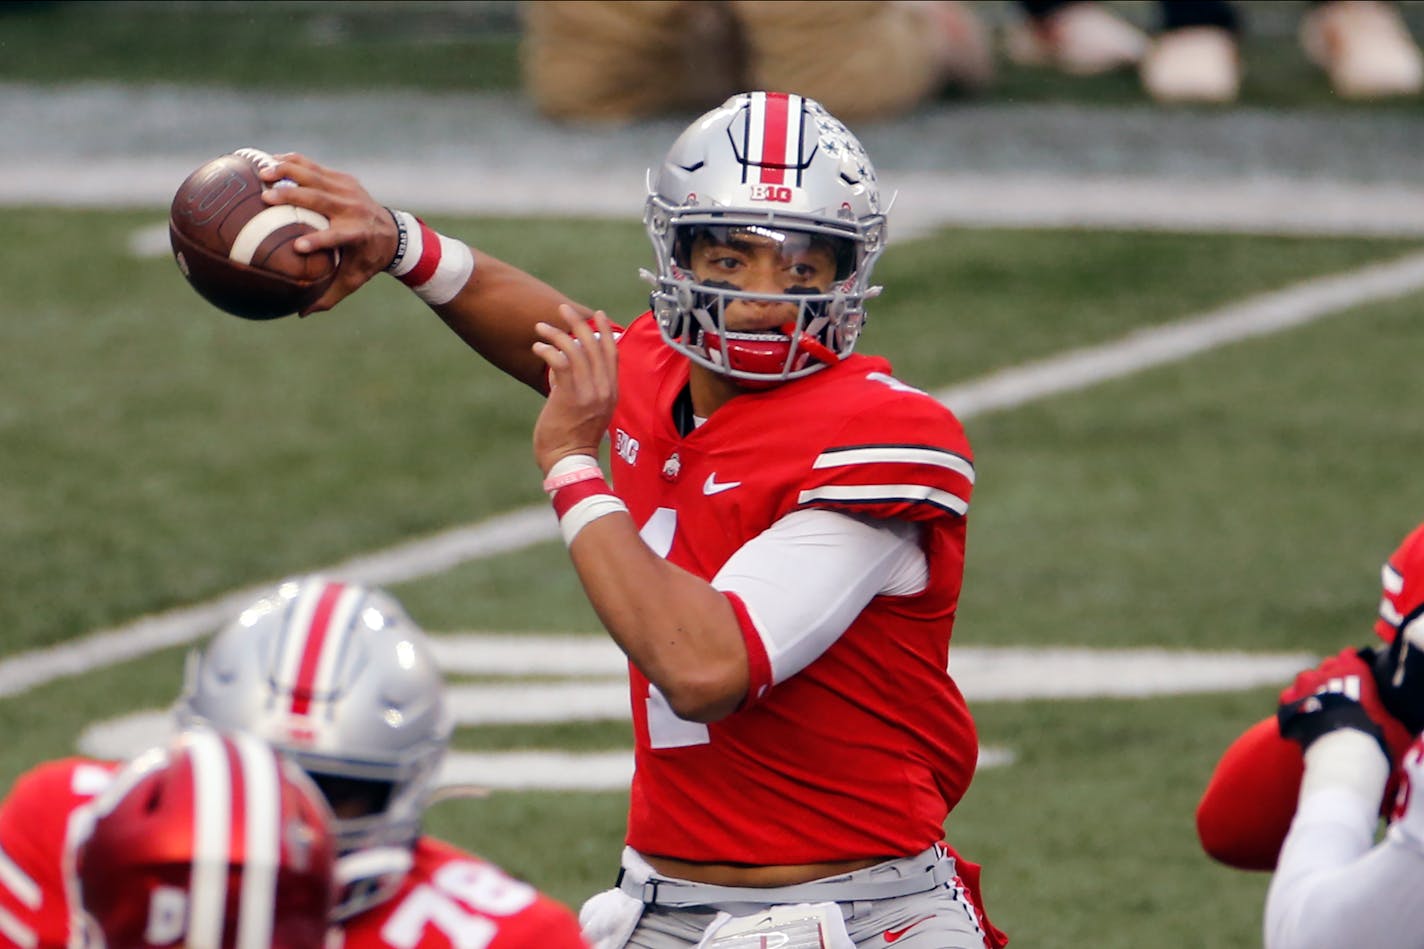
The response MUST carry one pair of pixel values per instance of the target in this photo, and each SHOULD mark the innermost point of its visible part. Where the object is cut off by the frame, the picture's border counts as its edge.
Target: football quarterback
(781, 548)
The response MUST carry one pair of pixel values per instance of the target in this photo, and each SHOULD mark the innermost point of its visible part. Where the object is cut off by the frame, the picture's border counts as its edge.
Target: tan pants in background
(862, 59)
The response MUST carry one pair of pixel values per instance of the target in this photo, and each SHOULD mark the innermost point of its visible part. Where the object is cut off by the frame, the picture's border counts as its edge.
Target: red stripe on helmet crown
(305, 685)
(773, 135)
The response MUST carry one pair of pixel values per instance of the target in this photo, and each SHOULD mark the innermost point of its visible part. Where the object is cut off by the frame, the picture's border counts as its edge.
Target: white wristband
(586, 512)
(436, 267)
(570, 463)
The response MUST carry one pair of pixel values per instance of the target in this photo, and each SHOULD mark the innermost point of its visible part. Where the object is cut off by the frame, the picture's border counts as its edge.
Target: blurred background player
(1251, 798)
(338, 678)
(863, 59)
(212, 842)
(783, 557)
(1333, 885)
(1363, 46)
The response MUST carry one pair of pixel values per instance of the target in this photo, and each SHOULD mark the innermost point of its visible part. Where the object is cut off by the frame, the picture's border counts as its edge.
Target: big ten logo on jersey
(778, 193)
(626, 446)
(463, 902)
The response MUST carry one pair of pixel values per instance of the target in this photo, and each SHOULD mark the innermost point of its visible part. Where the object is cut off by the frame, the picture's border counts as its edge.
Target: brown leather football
(236, 250)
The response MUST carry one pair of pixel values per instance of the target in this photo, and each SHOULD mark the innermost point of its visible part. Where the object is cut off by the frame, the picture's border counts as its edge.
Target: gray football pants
(938, 918)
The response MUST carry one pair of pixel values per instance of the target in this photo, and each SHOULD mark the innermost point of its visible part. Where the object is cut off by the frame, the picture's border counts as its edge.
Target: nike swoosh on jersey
(893, 935)
(712, 486)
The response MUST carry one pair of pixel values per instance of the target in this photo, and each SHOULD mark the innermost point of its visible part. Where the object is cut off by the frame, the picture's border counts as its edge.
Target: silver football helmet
(781, 167)
(338, 678)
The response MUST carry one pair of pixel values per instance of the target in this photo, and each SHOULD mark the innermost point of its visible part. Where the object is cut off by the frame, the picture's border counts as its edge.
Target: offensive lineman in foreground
(210, 841)
(342, 681)
(1302, 793)
(780, 554)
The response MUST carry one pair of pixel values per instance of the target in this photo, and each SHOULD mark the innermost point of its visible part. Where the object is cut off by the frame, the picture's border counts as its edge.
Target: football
(236, 250)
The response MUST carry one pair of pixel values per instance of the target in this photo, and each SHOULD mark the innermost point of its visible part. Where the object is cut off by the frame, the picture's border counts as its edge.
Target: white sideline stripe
(1255, 316)
(984, 674)
(1260, 204)
(527, 654)
(147, 634)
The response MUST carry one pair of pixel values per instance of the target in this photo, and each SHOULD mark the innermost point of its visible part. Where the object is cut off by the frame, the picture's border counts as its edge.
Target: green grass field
(155, 454)
(159, 453)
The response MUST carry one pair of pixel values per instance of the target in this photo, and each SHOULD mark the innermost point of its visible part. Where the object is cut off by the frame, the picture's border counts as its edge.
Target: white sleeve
(808, 576)
(1331, 888)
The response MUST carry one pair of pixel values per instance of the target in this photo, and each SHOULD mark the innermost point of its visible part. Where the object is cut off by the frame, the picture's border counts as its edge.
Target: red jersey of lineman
(863, 752)
(452, 900)
(35, 825)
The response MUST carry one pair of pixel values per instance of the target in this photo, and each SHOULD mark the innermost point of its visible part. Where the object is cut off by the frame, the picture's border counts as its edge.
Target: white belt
(658, 891)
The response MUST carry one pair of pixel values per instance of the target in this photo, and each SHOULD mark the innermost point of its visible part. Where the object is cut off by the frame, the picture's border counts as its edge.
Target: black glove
(1320, 713)
(1399, 674)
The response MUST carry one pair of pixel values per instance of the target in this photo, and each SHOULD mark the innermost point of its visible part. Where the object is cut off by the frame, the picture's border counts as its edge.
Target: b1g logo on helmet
(777, 193)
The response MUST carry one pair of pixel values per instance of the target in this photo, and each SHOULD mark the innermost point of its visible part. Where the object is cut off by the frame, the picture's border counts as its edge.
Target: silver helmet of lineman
(338, 678)
(781, 167)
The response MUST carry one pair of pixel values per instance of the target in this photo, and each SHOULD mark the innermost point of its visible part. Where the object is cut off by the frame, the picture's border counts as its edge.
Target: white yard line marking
(1144, 349)
(1079, 369)
(585, 692)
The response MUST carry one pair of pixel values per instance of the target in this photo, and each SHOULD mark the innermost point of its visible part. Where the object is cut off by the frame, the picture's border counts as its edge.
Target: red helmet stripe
(305, 685)
(774, 138)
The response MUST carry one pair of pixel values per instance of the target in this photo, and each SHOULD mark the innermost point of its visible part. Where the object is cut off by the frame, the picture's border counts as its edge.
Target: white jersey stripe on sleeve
(896, 454)
(261, 804)
(884, 494)
(26, 890)
(212, 839)
(1391, 579)
(18, 933)
(1393, 582)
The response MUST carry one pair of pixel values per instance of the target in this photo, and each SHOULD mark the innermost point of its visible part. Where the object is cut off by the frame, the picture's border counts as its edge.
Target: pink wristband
(586, 473)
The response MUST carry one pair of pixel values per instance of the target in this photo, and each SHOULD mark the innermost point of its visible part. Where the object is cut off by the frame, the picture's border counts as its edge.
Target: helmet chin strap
(810, 345)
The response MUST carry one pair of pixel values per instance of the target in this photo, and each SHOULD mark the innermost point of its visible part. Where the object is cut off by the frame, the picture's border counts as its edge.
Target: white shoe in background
(1364, 47)
(1192, 64)
(1082, 39)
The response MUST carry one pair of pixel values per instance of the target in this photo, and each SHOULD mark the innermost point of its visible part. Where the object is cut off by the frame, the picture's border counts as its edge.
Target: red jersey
(864, 752)
(35, 843)
(450, 899)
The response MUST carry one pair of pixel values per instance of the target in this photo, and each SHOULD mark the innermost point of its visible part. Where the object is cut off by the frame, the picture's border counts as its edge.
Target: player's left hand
(582, 357)
(1339, 693)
